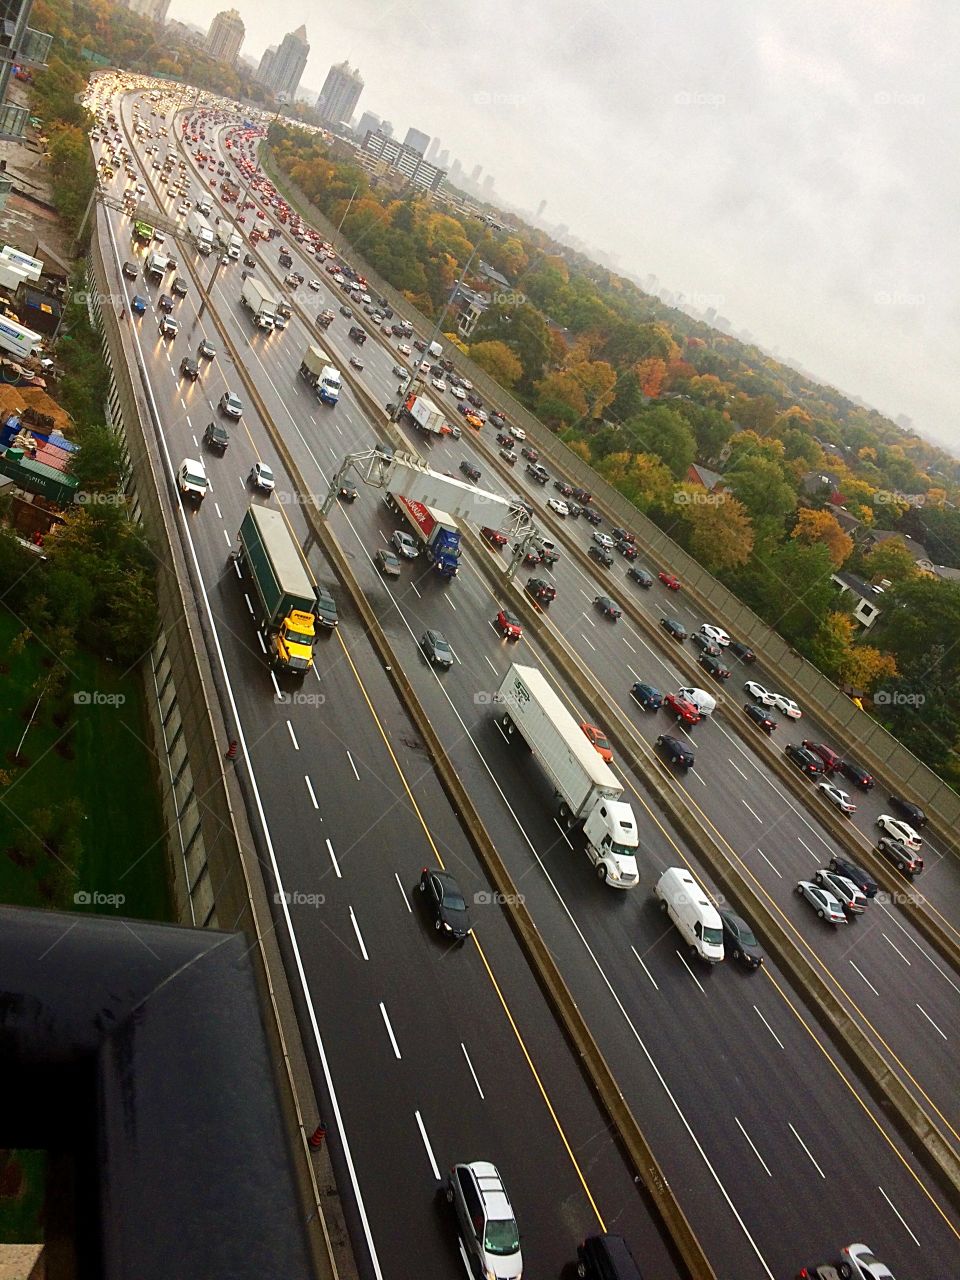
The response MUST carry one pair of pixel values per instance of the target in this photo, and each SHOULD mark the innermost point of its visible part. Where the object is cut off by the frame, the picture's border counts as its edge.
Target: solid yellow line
(540, 1084)
(880, 1129)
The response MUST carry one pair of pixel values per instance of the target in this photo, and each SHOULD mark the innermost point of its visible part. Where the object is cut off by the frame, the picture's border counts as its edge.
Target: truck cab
(611, 840)
(294, 640)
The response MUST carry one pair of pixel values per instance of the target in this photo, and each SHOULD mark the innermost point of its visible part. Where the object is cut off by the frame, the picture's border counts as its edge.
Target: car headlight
(447, 927)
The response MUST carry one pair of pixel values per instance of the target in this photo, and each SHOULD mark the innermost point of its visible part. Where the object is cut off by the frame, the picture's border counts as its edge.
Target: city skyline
(775, 165)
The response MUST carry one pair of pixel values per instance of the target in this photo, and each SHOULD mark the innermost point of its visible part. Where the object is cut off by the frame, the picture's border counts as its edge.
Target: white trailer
(425, 414)
(12, 275)
(590, 792)
(32, 266)
(18, 340)
(200, 230)
(318, 369)
(258, 301)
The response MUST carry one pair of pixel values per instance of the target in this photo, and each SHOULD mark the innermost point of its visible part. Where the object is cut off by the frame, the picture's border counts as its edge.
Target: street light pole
(415, 377)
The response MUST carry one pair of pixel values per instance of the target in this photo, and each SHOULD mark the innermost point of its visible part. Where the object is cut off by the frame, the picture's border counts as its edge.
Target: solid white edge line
(644, 967)
(403, 893)
(896, 949)
(899, 1215)
(865, 978)
(930, 1020)
(353, 766)
(271, 852)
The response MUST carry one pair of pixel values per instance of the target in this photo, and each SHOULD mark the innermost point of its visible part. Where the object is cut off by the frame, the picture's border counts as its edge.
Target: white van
(705, 702)
(692, 912)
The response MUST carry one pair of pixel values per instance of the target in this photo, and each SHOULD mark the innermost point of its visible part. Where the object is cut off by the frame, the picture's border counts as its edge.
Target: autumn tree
(720, 533)
(498, 360)
(643, 479)
(821, 526)
(560, 400)
(651, 374)
(890, 559)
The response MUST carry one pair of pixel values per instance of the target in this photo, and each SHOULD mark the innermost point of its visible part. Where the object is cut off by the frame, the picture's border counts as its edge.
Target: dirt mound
(14, 399)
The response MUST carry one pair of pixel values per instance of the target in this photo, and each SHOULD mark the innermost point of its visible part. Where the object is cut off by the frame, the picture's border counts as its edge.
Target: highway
(687, 1046)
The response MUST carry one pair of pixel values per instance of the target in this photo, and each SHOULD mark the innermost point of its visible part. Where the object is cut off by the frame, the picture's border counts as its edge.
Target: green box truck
(283, 595)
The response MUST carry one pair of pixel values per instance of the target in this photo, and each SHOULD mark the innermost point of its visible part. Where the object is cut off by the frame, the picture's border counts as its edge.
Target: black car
(565, 490)
(760, 716)
(857, 774)
(249, 260)
(627, 549)
(541, 590)
(805, 760)
(345, 311)
(907, 809)
(642, 577)
(606, 606)
(739, 940)
(674, 627)
(623, 535)
(470, 470)
(129, 269)
(506, 440)
(650, 698)
(419, 344)
(216, 437)
(601, 555)
(436, 649)
(325, 608)
(606, 1257)
(573, 511)
(189, 368)
(445, 903)
(347, 492)
(165, 303)
(862, 879)
(498, 420)
(179, 287)
(907, 862)
(207, 350)
(474, 399)
(714, 666)
(741, 651)
(582, 495)
(677, 752)
(550, 555)
(592, 516)
(700, 641)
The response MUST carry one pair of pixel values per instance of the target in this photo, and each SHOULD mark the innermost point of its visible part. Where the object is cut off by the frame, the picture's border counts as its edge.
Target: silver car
(857, 1262)
(488, 1227)
(405, 544)
(823, 902)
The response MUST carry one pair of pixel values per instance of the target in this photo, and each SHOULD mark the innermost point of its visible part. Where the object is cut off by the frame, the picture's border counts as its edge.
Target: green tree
(498, 360)
(664, 432)
(719, 531)
(98, 463)
(760, 485)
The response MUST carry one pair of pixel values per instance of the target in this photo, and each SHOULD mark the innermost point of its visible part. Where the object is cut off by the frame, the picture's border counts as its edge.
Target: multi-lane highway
(768, 1176)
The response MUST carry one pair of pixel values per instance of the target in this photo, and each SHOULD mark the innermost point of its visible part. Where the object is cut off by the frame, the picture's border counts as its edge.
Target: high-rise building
(540, 209)
(475, 172)
(417, 141)
(488, 185)
(340, 93)
(225, 36)
(456, 171)
(432, 151)
(20, 45)
(369, 123)
(287, 64)
(387, 129)
(442, 158)
(266, 63)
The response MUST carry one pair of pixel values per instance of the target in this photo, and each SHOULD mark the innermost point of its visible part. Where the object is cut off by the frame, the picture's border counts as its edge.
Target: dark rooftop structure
(135, 1054)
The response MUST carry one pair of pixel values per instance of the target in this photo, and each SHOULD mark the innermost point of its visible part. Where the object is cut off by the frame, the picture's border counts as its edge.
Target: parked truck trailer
(590, 793)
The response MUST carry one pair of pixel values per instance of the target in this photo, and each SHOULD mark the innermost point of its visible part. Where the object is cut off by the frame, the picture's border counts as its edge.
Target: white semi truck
(200, 230)
(257, 300)
(590, 793)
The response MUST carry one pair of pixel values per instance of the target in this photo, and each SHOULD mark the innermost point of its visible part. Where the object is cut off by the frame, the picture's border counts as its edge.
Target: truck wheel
(663, 905)
(602, 873)
(508, 726)
(566, 817)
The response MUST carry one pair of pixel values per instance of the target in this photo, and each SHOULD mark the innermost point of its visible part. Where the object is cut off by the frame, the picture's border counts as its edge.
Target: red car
(494, 536)
(508, 624)
(829, 757)
(669, 580)
(682, 708)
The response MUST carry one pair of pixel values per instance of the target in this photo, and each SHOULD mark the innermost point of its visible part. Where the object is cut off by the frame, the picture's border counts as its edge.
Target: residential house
(871, 538)
(712, 481)
(867, 609)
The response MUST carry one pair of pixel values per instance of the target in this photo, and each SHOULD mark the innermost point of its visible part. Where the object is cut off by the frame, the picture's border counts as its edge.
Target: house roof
(486, 270)
(842, 516)
(703, 475)
(858, 587)
(916, 549)
(947, 573)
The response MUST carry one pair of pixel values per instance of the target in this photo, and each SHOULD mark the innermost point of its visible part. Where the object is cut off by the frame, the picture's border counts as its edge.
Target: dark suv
(910, 864)
(471, 471)
(864, 882)
(907, 809)
(805, 760)
(857, 774)
(743, 652)
(606, 1258)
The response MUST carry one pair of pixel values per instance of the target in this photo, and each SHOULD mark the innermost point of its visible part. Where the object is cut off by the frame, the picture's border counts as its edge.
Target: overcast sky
(794, 164)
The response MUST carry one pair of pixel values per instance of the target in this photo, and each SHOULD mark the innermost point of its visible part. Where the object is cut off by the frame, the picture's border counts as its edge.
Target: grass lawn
(79, 810)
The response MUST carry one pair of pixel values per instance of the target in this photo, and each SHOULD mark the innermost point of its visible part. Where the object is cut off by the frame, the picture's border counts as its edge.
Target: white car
(787, 706)
(405, 544)
(518, 433)
(716, 634)
(559, 506)
(603, 539)
(314, 285)
(404, 348)
(837, 797)
(843, 889)
(261, 477)
(459, 393)
(900, 830)
(760, 694)
(365, 297)
(183, 207)
(424, 366)
(466, 384)
(859, 1262)
(439, 384)
(339, 279)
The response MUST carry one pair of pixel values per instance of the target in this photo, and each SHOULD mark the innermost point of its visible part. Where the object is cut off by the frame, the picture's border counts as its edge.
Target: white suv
(487, 1225)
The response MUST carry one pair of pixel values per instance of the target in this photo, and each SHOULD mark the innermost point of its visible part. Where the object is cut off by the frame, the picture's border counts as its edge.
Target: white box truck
(424, 414)
(590, 792)
(235, 246)
(18, 340)
(200, 230)
(205, 203)
(318, 370)
(258, 301)
(33, 267)
(435, 349)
